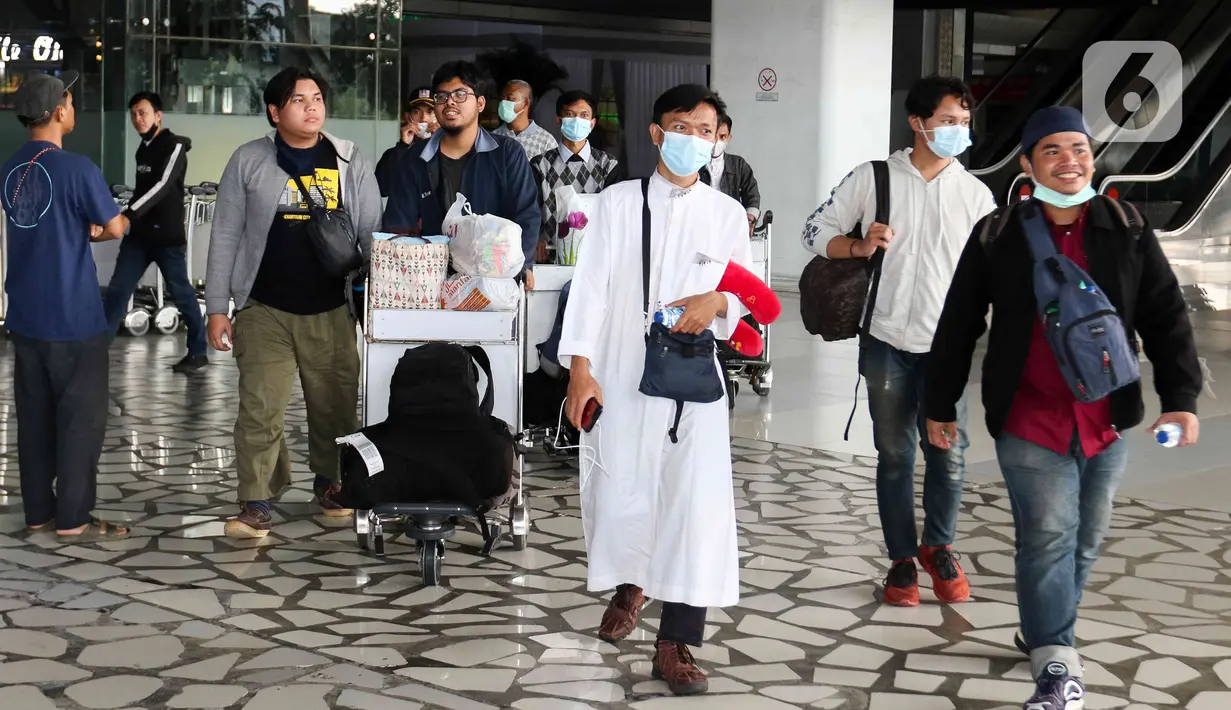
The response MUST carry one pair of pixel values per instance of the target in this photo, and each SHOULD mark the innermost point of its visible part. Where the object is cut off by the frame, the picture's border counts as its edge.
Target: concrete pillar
(824, 109)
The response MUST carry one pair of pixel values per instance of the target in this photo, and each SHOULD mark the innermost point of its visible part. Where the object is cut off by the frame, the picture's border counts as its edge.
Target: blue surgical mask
(685, 154)
(576, 129)
(508, 111)
(949, 141)
(1061, 200)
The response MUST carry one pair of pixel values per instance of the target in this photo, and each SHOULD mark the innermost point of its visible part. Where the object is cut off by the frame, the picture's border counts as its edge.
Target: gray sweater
(248, 202)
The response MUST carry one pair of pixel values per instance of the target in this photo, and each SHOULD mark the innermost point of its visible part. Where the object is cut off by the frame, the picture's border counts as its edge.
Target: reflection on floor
(180, 617)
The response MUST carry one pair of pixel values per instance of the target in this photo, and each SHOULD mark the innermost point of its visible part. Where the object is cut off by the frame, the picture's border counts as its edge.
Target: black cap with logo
(40, 94)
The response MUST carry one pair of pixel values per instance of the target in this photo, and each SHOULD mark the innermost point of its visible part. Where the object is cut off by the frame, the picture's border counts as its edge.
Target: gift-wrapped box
(406, 275)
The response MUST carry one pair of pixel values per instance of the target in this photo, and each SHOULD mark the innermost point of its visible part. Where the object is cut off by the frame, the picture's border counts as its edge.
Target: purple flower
(562, 229)
(577, 220)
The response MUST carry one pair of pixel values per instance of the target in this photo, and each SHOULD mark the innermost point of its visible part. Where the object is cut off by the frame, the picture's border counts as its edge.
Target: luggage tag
(366, 449)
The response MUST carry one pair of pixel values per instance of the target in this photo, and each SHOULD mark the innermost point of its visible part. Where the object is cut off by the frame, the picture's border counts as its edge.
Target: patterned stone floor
(180, 617)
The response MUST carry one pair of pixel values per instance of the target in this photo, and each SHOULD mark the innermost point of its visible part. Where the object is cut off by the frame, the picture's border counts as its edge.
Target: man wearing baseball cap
(418, 123)
(1062, 458)
(56, 203)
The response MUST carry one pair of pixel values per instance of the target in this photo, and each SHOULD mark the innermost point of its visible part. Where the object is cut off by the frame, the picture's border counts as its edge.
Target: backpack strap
(487, 405)
(880, 177)
(1128, 214)
(994, 224)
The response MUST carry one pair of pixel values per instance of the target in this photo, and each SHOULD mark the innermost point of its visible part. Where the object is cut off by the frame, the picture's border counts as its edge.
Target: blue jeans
(1061, 512)
(896, 382)
(134, 258)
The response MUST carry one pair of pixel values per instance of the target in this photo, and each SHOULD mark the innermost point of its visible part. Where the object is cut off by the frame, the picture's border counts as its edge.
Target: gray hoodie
(248, 202)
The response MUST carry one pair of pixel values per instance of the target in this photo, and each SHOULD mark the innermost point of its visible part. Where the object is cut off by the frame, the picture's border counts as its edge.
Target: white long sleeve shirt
(931, 222)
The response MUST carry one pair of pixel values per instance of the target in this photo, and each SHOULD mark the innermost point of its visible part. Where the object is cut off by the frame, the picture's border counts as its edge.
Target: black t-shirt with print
(291, 277)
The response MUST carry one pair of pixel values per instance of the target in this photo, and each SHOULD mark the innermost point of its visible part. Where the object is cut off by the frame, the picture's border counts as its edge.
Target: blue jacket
(497, 180)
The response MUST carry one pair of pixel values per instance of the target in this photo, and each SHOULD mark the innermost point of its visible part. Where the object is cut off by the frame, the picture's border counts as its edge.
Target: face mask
(719, 148)
(576, 129)
(423, 132)
(949, 141)
(149, 135)
(508, 111)
(685, 154)
(1061, 200)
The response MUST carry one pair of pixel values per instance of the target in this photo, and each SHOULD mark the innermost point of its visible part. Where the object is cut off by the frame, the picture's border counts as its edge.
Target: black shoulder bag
(678, 366)
(333, 236)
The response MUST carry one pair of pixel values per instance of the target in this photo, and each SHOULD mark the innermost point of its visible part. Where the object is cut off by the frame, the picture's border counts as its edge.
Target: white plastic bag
(475, 293)
(483, 244)
(573, 214)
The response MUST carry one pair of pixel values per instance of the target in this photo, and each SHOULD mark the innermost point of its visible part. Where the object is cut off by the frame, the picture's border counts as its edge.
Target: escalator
(1186, 24)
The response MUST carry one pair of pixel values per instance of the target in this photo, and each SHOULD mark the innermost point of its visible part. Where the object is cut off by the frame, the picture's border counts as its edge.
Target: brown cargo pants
(269, 346)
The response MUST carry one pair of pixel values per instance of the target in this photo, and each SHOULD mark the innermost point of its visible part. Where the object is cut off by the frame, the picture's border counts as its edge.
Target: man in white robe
(659, 517)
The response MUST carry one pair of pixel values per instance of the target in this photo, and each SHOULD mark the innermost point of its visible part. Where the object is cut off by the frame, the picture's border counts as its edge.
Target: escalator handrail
(1169, 172)
(1205, 201)
(1025, 52)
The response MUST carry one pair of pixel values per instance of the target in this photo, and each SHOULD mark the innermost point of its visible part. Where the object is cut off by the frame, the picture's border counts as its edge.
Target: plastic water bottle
(1169, 435)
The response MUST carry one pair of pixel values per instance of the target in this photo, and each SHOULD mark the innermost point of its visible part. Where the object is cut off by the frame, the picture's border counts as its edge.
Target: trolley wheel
(167, 320)
(732, 392)
(760, 386)
(430, 554)
(137, 322)
(519, 541)
(361, 539)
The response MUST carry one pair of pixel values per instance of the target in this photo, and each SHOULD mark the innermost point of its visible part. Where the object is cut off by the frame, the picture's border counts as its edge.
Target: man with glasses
(573, 162)
(516, 102)
(660, 522)
(491, 171)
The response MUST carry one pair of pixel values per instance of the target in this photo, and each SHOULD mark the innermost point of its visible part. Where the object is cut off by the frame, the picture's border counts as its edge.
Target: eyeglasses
(459, 96)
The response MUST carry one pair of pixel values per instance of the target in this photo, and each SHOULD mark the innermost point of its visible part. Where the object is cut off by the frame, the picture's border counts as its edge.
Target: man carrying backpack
(1058, 398)
(934, 204)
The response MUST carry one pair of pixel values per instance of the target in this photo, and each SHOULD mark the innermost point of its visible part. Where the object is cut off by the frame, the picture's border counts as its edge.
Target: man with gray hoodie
(290, 314)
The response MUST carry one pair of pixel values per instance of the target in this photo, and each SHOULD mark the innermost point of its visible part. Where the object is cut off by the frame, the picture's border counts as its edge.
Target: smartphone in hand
(589, 416)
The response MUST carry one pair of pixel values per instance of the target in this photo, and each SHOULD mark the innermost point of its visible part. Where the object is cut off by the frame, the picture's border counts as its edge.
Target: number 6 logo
(1132, 92)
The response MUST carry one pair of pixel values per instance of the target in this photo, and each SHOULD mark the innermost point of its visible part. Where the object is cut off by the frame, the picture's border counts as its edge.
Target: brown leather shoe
(621, 616)
(674, 663)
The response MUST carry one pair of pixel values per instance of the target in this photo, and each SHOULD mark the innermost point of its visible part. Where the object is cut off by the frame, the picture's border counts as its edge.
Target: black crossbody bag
(680, 367)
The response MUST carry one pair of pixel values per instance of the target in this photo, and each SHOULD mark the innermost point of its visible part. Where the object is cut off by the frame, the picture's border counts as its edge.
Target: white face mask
(423, 132)
(720, 148)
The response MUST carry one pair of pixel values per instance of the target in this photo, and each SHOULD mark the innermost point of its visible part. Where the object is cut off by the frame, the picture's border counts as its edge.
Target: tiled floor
(180, 617)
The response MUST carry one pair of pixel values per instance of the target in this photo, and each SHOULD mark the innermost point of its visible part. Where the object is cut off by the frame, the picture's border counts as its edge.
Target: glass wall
(212, 58)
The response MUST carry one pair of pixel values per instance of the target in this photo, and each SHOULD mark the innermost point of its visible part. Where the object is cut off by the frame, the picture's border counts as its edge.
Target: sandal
(41, 527)
(94, 531)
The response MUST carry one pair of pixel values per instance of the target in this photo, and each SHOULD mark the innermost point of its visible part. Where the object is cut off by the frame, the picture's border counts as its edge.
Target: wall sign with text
(33, 50)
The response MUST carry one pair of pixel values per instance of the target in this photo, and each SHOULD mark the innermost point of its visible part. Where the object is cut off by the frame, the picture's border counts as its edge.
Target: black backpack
(833, 293)
(440, 442)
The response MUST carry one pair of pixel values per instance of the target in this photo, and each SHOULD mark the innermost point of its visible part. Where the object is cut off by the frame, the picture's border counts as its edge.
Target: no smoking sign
(767, 80)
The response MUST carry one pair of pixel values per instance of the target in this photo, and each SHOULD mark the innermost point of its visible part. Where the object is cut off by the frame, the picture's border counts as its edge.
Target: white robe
(662, 515)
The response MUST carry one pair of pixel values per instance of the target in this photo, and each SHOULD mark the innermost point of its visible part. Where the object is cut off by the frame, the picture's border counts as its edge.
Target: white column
(833, 63)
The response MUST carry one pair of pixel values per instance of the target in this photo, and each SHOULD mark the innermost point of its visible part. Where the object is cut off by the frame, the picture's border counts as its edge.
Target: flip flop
(95, 531)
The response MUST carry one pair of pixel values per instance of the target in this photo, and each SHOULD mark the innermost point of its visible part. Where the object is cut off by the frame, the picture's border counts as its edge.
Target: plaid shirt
(589, 172)
(535, 140)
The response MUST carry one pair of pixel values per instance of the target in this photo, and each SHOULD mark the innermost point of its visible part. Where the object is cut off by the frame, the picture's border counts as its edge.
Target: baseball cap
(422, 95)
(1049, 121)
(40, 94)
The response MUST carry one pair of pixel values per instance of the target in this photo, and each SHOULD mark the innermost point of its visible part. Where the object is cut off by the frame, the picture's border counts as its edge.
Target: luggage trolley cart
(198, 217)
(388, 333)
(759, 371)
(148, 304)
